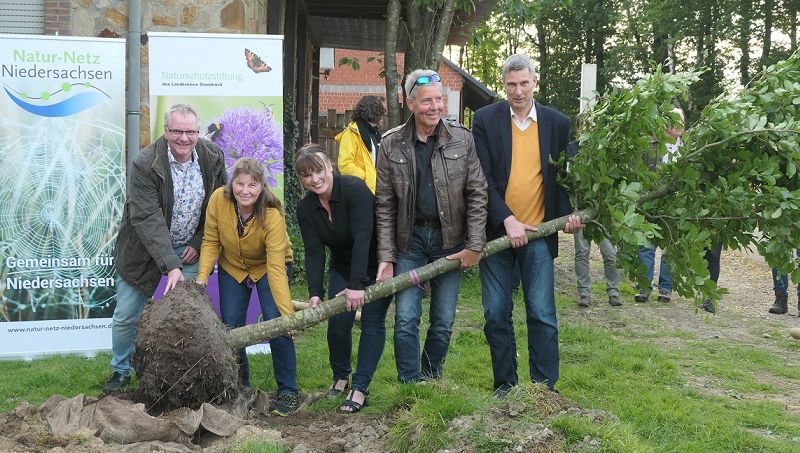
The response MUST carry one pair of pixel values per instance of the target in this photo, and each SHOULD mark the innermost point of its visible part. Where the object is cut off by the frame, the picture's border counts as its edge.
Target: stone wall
(109, 18)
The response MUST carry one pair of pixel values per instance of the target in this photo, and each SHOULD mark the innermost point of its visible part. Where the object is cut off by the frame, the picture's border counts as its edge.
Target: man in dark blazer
(515, 139)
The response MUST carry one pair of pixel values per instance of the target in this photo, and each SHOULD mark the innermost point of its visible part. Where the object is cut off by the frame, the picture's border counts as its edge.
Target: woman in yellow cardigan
(246, 230)
(358, 143)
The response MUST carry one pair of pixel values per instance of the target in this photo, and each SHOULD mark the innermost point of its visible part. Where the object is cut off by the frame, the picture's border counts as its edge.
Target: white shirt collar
(531, 114)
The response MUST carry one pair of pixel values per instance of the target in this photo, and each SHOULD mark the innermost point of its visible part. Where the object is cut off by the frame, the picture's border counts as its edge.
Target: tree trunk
(637, 37)
(745, 21)
(442, 26)
(792, 8)
(391, 76)
(600, 38)
(541, 45)
(767, 45)
(427, 34)
(415, 37)
(256, 333)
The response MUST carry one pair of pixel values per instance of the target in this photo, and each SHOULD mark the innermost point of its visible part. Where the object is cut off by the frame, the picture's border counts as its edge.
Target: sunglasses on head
(426, 79)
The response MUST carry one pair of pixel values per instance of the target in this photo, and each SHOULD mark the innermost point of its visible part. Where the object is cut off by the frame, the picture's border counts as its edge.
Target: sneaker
(116, 382)
(288, 402)
(663, 296)
(708, 306)
(583, 301)
(614, 301)
(641, 297)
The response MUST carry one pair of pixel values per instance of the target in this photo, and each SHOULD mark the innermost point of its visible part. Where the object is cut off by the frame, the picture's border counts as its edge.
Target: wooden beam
(315, 95)
(302, 72)
(275, 11)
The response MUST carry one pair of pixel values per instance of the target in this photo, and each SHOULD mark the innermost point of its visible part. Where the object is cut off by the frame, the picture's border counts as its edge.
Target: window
(22, 16)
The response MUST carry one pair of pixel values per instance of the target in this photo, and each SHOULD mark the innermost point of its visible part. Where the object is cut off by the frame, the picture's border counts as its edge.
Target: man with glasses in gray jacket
(169, 184)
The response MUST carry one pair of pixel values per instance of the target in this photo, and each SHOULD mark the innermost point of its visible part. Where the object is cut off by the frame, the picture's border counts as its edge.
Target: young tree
(735, 182)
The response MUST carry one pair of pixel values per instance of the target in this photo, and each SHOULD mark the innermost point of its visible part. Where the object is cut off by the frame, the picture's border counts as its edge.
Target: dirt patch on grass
(23, 430)
(742, 318)
(519, 423)
(307, 431)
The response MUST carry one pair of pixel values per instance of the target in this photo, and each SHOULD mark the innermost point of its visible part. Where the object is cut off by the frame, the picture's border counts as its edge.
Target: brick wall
(343, 86)
(56, 17)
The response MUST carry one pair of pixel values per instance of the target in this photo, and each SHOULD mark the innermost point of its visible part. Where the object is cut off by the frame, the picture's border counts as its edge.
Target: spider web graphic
(61, 191)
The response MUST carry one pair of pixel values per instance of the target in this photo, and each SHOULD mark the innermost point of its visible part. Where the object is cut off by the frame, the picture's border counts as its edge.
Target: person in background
(359, 141)
(169, 185)
(430, 204)
(780, 284)
(647, 255)
(515, 141)
(712, 258)
(337, 212)
(246, 231)
(583, 274)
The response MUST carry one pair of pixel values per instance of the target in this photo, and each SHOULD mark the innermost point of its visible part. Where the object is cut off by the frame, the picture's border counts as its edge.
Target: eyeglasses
(176, 133)
(425, 80)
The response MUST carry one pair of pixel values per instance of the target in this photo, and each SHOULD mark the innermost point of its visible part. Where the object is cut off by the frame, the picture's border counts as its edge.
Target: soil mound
(183, 357)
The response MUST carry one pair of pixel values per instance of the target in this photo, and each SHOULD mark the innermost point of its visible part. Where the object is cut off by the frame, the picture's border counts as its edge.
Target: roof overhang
(361, 24)
(474, 93)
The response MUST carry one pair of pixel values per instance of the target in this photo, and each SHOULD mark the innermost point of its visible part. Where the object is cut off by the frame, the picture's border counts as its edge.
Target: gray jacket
(143, 251)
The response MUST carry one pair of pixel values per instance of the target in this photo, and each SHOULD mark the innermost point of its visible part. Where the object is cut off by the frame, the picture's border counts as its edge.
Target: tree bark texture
(442, 32)
(391, 75)
(746, 17)
(256, 333)
(767, 42)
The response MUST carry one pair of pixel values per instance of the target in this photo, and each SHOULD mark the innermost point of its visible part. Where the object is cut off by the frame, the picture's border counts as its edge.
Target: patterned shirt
(188, 193)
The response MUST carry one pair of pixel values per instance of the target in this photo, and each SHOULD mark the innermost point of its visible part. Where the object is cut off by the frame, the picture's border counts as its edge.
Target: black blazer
(491, 128)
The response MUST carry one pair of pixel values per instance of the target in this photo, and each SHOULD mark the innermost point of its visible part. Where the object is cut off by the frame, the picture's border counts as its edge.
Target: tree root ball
(183, 357)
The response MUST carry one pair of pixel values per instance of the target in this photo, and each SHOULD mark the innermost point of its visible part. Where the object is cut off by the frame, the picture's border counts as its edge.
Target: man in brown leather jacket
(431, 203)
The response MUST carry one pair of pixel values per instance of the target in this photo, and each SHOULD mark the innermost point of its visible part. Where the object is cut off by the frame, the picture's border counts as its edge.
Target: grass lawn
(646, 384)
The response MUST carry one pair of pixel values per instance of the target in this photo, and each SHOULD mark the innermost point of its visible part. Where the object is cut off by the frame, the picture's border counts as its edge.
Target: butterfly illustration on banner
(255, 62)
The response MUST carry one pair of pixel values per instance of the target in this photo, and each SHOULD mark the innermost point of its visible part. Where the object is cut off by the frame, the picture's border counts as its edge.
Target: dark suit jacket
(491, 128)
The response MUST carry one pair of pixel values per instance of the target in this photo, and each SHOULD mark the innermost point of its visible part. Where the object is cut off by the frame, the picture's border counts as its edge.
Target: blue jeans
(647, 256)
(536, 272)
(130, 304)
(426, 247)
(234, 297)
(340, 337)
(780, 283)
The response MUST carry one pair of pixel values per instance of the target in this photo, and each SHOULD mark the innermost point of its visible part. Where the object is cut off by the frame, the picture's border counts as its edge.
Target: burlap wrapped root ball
(183, 357)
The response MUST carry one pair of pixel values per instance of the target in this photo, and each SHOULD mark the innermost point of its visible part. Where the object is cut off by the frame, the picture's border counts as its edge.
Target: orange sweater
(525, 192)
(260, 252)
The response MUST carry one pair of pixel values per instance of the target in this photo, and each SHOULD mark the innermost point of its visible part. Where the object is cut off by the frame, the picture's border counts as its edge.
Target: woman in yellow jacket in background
(358, 142)
(246, 230)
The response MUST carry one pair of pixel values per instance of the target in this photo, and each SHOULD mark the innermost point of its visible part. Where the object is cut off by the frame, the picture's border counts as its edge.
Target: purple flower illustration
(245, 132)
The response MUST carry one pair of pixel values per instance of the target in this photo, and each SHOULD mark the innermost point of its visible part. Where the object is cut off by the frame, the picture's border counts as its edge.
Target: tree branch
(255, 333)
(734, 136)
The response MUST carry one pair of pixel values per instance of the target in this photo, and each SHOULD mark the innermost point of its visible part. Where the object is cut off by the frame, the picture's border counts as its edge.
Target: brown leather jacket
(459, 183)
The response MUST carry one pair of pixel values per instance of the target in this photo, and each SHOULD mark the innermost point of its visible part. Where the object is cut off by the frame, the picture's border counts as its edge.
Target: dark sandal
(334, 392)
(352, 406)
